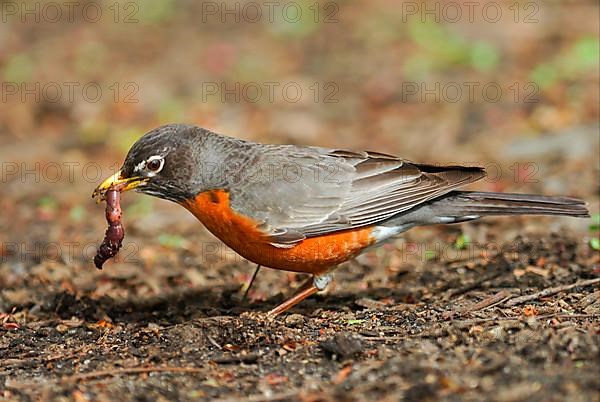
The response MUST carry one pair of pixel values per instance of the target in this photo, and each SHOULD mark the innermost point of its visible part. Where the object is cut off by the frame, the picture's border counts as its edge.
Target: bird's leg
(248, 285)
(310, 287)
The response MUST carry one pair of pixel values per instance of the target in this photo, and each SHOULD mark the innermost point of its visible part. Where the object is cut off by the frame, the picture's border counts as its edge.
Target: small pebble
(343, 345)
(294, 320)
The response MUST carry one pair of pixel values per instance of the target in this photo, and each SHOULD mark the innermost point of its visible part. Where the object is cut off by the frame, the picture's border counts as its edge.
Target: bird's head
(162, 163)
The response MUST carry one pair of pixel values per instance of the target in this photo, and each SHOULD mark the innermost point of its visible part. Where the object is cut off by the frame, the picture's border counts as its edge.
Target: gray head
(165, 162)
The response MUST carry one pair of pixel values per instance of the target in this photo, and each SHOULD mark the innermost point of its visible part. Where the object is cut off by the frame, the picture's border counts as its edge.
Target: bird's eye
(155, 164)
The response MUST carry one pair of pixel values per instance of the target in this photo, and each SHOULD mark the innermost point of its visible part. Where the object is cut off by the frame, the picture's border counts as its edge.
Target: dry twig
(131, 370)
(550, 292)
(490, 301)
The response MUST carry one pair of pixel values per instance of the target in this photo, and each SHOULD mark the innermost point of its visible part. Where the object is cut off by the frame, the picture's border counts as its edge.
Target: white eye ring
(151, 166)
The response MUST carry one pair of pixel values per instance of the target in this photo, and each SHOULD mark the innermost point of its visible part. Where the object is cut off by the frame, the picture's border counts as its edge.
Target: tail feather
(466, 203)
(461, 206)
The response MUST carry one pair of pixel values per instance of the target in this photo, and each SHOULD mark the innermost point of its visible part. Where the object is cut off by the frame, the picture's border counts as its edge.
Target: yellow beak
(116, 182)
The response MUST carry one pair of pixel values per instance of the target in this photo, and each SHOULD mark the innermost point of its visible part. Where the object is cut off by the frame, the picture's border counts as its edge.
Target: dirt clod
(342, 345)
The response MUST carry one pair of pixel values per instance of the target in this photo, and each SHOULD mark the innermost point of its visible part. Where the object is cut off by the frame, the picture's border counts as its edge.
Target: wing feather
(337, 190)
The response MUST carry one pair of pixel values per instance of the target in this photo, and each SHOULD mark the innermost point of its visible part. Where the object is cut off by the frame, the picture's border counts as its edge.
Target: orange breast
(313, 255)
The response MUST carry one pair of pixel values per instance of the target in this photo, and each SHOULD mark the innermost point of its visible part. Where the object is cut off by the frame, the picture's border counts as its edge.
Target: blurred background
(513, 86)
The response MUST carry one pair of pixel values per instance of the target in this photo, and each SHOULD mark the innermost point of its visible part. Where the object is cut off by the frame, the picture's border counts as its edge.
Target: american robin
(308, 209)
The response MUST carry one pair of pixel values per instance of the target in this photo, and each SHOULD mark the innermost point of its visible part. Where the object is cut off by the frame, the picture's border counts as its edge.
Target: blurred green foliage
(430, 254)
(154, 11)
(18, 68)
(582, 56)
(171, 241)
(77, 213)
(462, 241)
(298, 21)
(91, 58)
(169, 110)
(440, 48)
(126, 137)
(143, 206)
(93, 131)
(484, 56)
(595, 225)
(48, 202)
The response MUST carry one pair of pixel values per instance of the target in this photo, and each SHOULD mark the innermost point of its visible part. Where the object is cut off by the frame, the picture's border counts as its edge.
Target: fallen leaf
(275, 379)
(530, 311)
(538, 271)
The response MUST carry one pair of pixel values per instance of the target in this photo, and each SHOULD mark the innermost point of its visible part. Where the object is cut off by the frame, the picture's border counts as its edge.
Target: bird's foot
(310, 287)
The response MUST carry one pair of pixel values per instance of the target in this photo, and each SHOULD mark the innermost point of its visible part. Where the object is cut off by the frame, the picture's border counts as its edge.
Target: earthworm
(113, 237)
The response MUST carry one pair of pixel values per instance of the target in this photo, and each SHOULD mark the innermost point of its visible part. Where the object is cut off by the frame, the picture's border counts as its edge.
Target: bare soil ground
(401, 324)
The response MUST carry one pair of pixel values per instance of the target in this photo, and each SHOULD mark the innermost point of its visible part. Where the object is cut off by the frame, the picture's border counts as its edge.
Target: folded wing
(325, 191)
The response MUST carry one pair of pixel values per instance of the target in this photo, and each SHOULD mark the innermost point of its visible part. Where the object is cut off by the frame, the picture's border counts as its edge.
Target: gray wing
(298, 192)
